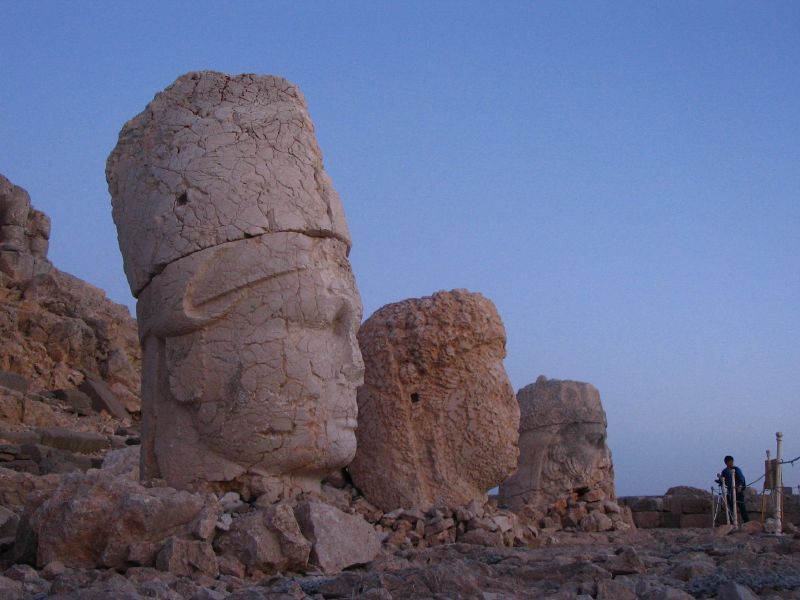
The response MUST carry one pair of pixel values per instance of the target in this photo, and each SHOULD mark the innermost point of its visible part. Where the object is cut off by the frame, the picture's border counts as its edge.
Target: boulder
(437, 421)
(266, 541)
(15, 382)
(103, 399)
(123, 461)
(340, 540)
(76, 400)
(185, 558)
(16, 487)
(97, 520)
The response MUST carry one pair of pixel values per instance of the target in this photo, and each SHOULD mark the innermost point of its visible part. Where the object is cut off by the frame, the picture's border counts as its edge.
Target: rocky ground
(656, 564)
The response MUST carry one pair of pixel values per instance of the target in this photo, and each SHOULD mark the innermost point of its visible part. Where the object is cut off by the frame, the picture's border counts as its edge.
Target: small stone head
(562, 444)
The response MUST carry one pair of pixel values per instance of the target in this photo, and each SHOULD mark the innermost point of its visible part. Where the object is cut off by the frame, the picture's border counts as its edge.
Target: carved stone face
(562, 444)
(259, 369)
(577, 458)
(235, 244)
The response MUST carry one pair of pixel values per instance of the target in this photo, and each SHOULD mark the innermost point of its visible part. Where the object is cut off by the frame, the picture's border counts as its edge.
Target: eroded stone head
(235, 243)
(562, 444)
(437, 415)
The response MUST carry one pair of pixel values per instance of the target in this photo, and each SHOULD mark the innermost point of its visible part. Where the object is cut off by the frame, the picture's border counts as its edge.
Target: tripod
(719, 503)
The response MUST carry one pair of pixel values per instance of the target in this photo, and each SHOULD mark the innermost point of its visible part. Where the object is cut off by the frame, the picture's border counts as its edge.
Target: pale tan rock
(15, 487)
(437, 415)
(216, 158)
(235, 244)
(266, 541)
(339, 540)
(98, 520)
(562, 445)
(184, 558)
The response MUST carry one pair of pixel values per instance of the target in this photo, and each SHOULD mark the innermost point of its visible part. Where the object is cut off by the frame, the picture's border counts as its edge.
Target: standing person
(741, 484)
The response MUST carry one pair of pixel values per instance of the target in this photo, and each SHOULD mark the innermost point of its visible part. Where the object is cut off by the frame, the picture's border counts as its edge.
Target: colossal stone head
(235, 244)
(562, 444)
(437, 418)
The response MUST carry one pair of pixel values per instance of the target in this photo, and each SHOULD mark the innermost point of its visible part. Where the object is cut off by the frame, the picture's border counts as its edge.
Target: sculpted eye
(343, 320)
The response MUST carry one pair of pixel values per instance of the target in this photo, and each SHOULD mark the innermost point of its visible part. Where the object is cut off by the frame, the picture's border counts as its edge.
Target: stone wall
(691, 507)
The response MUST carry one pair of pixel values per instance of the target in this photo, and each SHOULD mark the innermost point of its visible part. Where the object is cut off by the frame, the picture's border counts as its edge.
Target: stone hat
(216, 158)
(555, 402)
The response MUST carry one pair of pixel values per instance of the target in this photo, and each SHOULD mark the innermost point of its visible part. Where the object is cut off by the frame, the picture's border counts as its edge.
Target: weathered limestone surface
(340, 540)
(235, 244)
(97, 519)
(213, 159)
(562, 445)
(437, 415)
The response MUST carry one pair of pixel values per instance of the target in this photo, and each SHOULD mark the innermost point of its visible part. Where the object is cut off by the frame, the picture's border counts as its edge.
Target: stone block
(649, 519)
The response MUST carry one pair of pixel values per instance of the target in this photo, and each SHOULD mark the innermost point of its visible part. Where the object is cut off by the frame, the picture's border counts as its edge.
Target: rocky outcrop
(24, 234)
(235, 244)
(437, 422)
(563, 450)
(55, 330)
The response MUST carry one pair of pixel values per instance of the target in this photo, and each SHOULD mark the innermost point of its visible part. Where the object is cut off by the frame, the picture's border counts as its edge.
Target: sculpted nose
(352, 361)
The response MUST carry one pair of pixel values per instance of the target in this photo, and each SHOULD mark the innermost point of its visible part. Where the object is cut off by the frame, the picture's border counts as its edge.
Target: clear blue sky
(622, 179)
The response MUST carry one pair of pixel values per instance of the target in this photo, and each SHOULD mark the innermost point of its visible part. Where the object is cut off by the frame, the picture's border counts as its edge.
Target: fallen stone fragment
(626, 562)
(339, 540)
(184, 557)
(690, 569)
(10, 589)
(752, 527)
(103, 399)
(78, 401)
(97, 520)
(74, 441)
(724, 530)
(15, 382)
(610, 589)
(730, 590)
(123, 461)
(266, 541)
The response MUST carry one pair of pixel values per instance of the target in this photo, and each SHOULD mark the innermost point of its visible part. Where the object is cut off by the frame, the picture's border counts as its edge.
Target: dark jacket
(740, 482)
